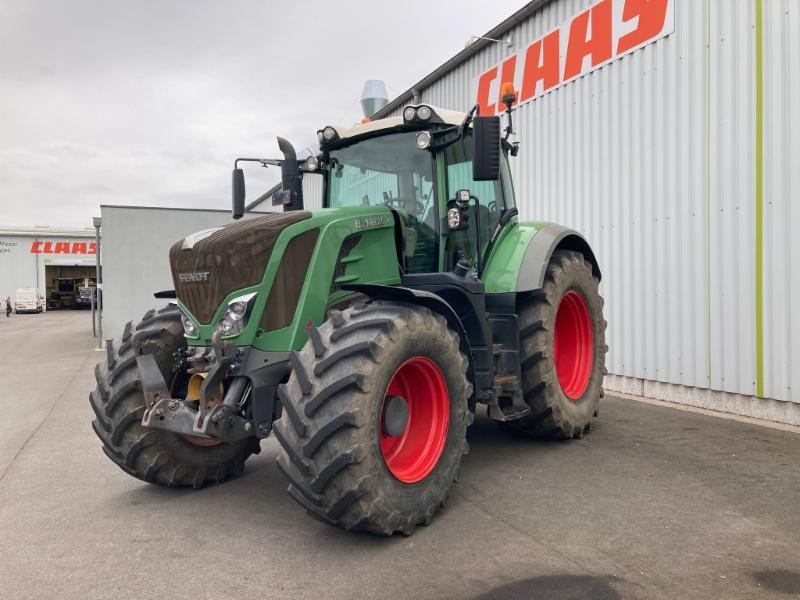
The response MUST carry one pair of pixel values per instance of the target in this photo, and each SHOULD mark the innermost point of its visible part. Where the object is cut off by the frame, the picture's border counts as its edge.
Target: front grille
(232, 258)
(348, 245)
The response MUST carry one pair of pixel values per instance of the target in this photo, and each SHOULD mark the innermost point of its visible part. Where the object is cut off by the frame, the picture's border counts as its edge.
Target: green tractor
(363, 334)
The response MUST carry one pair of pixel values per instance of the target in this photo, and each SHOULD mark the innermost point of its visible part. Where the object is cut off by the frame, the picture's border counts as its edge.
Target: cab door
(455, 173)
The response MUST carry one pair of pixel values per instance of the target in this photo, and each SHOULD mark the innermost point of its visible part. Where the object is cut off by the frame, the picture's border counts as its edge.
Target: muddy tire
(154, 455)
(562, 339)
(353, 457)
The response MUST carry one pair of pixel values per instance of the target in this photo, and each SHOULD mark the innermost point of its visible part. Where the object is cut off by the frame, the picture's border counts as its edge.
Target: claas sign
(604, 32)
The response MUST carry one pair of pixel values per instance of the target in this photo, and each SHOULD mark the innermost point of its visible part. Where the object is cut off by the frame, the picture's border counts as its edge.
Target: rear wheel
(562, 338)
(375, 417)
(156, 455)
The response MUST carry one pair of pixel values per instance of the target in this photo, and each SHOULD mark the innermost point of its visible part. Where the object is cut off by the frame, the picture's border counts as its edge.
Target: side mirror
(486, 148)
(238, 194)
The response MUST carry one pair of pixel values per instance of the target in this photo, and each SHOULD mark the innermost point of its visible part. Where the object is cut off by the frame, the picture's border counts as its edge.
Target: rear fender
(518, 261)
(548, 240)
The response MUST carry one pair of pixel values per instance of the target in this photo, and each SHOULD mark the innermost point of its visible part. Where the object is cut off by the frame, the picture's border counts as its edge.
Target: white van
(28, 300)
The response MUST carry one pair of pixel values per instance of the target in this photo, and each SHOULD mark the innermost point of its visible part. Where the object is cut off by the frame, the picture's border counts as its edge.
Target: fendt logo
(604, 32)
(193, 276)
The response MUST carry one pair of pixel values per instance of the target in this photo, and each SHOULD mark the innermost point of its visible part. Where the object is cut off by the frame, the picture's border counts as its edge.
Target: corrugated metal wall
(653, 157)
(312, 191)
(781, 199)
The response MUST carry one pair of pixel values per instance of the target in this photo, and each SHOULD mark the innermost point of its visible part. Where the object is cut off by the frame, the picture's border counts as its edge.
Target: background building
(51, 259)
(675, 148)
(136, 243)
(665, 132)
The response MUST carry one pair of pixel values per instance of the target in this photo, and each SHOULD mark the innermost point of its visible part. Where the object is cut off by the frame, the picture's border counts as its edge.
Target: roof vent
(374, 97)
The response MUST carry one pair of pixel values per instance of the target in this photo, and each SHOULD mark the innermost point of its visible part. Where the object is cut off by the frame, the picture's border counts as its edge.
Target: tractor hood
(209, 265)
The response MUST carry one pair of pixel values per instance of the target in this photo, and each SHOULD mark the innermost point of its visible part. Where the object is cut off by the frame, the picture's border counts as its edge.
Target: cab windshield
(390, 171)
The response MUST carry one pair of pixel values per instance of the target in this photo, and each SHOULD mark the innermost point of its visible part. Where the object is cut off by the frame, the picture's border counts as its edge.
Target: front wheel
(375, 417)
(562, 349)
(156, 455)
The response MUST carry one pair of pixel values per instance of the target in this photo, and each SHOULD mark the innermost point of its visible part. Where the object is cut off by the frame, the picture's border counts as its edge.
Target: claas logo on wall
(604, 32)
(63, 247)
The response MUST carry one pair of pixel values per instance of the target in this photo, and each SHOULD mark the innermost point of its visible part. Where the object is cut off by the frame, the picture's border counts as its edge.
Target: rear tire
(562, 349)
(343, 465)
(154, 455)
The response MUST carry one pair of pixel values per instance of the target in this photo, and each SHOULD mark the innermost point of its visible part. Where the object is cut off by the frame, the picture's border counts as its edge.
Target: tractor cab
(422, 167)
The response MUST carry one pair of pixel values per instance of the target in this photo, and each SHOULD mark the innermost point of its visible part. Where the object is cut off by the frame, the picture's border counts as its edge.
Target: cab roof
(439, 116)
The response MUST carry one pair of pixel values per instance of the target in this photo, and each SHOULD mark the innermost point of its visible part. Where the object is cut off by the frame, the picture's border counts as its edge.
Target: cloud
(149, 102)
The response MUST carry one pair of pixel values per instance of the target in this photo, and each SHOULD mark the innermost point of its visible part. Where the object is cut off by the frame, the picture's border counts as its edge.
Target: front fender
(424, 298)
(519, 259)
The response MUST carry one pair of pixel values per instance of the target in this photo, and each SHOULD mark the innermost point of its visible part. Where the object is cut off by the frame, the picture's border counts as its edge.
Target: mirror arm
(437, 147)
(265, 162)
(509, 127)
(467, 120)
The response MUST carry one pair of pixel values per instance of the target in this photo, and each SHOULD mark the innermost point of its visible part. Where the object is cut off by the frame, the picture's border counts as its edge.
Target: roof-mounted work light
(420, 114)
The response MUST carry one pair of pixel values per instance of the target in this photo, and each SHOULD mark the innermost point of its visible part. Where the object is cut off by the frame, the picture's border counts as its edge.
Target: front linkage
(216, 418)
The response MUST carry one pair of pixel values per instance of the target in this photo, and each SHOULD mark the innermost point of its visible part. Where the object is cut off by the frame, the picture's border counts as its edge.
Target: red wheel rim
(413, 454)
(573, 344)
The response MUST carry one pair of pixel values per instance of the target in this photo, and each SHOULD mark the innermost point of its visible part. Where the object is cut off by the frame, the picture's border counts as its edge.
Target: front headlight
(424, 139)
(234, 319)
(189, 326)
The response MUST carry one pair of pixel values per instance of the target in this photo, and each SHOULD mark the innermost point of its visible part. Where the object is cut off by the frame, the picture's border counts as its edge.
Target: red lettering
(62, 248)
(484, 83)
(599, 45)
(93, 248)
(36, 248)
(78, 248)
(507, 75)
(541, 66)
(651, 15)
(48, 248)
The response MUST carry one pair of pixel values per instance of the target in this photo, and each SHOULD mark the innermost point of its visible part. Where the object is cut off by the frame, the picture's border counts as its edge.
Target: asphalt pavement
(655, 503)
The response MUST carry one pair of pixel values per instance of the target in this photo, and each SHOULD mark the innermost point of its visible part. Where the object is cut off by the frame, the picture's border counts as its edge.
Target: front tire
(562, 338)
(155, 455)
(375, 417)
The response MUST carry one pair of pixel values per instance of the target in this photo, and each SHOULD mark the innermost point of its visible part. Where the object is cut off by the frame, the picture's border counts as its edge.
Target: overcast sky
(149, 102)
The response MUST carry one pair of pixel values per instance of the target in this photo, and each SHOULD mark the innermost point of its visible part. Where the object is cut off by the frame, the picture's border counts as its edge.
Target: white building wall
(653, 158)
(18, 267)
(135, 250)
(781, 199)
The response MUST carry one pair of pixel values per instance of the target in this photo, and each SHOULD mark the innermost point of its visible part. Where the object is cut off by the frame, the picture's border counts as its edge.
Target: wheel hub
(395, 415)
